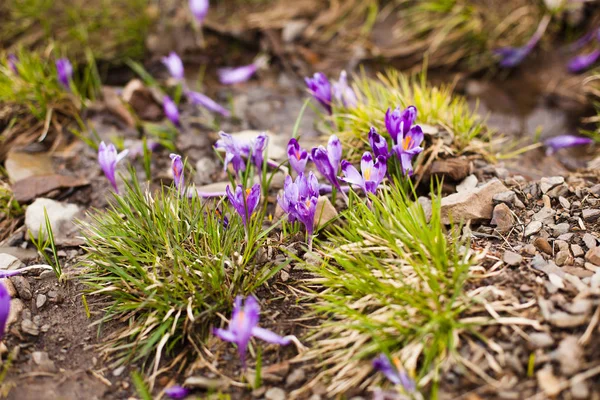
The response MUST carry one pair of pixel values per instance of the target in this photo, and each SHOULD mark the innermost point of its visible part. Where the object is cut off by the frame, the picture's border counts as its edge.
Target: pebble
(540, 340)
(590, 214)
(529, 249)
(563, 258)
(545, 215)
(564, 203)
(590, 240)
(549, 383)
(10, 262)
(560, 229)
(470, 182)
(297, 376)
(511, 258)
(580, 390)
(533, 228)
(16, 308)
(502, 218)
(60, 215)
(561, 245)
(566, 237)
(542, 245)
(275, 393)
(41, 359)
(570, 355)
(507, 197)
(10, 288)
(548, 183)
(577, 250)
(118, 371)
(29, 327)
(284, 276)
(593, 256)
(22, 286)
(40, 300)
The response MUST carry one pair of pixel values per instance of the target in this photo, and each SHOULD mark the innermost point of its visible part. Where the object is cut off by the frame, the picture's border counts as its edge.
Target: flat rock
(16, 308)
(590, 214)
(29, 327)
(21, 165)
(507, 197)
(22, 286)
(563, 258)
(577, 250)
(206, 383)
(275, 393)
(213, 188)
(502, 218)
(10, 262)
(512, 258)
(542, 245)
(325, 211)
(545, 215)
(580, 390)
(40, 300)
(564, 203)
(532, 228)
(474, 204)
(61, 216)
(25, 190)
(470, 182)
(548, 183)
(43, 361)
(590, 240)
(560, 229)
(455, 168)
(593, 256)
(296, 376)
(25, 255)
(540, 340)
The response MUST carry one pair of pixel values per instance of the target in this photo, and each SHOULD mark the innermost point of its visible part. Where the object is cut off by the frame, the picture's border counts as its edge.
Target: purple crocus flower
(395, 374)
(108, 159)
(64, 71)
(171, 111)
(259, 145)
(320, 88)
(304, 188)
(12, 63)
(200, 9)
(513, 56)
(235, 151)
(174, 64)
(206, 102)
(583, 61)
(177, 392)
(177, 168)
(4, 309)
(563, 141)
(229, 76)
(378, 144)
(244, 201)
(244, 324)
(344, 93)
(297, 156)
(372, 173)
(398, 123)
(327, 160)
(408, 148)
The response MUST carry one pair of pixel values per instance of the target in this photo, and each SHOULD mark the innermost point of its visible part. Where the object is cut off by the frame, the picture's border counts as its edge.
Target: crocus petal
(563, 141)
(170, 109)
(366, 165)
(334, 150)
(12, 63)
(320, 88)
(64, 71)
(229, 76)
(352, 176)
(344, 93)
(512, 56)
(406, 162)
(4, 308)
(270, 337)
(206, 102)
(416, 134)
(177, 169)
(378, 143)
(393, 119)
(199, 9)
(252, 199)
(383, 365)
(583, 62)
(225, 334)
(296, 156)
(174, 64)
(108, 158)
(306, 213)
(259, 145)
(379, 170)
(321, 159)
(177, 392)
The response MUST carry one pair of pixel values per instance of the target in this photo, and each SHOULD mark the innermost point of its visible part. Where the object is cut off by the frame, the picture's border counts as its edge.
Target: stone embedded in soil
(21, 165)
(29, 327)
(297, 376)
(507, 197)
(455, 168)
(41, 359)
(593, 256)
(40, 300)
(548, 183)
(325, 211)
(542, 245)
(25, 190)
(22, 285)
(502, 218)
(590, 214)
(470, 182)
(590, 240)
(275, 393)
(60, 215)
(16, 308)
(540, 340)
(570, 355)
(564, 203)
(549, 383)
(577, 250)
(511, 258)
(563, 258)
(474, 204)
(10, 262)
(560, 229)
(24, 255)
(10, 288)
(532, 228)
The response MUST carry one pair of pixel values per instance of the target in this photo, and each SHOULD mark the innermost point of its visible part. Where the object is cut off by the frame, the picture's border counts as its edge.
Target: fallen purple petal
(177, 392)
(230, 76)
(564, 141)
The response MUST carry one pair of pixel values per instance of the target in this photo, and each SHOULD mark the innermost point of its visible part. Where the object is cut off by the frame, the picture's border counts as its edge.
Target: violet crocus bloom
(12, 63)
(304, 188)
(108, 159)
(320, 88)
(372, 173)
(583, 61)
(327, 160)
(199, 9)
(171, 111)
(244, 201)
(4, 309)
(206, 102)
(244, 324)
(408, 148)
(395, 374)
(235, 151)
(174, 64)
(398, 123)
(513, 56)
(64, 71)
(563, 141)
(343, 93)
(177, 392)
(297, 156)
(177, 169)
(378, 144)
(259, 145)
(229, 76)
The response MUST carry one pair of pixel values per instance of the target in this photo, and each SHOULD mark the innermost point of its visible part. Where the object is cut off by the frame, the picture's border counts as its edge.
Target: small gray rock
(577, 250)
(564, 203)
(28, 327)
(590, 240)
(540, 340)
(502, 218)
(563, 258)
(10, 262)
(22, 286)
(275, 393)
(297, 376)
(570, 356)
(40, 300)
(579, 389)
(590, 214)
(41, 359)
(60, 215)
(470, 182)
(118, 371)
(512, 258)
(533, 228)
(560, 229)
(548, 183)
(593, 256)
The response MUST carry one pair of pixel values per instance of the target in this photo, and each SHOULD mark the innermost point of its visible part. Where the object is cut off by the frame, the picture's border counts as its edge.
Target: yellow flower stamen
(407, 143)
(367, 174)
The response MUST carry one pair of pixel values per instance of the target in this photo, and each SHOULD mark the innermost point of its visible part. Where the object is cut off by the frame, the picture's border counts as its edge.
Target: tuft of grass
(393, 282)
(169, 266)
(436, 106)
(44, 241)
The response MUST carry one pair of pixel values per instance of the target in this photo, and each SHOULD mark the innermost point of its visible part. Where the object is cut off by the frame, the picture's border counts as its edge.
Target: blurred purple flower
(320, 88)
(177, 168)
(174, 64)
(327, 160)
(259, 145)
(177, 392)
(12, 63)
(563, 141)
(235, 151)
(398, 123)
(372, 173)
(64, 71)
(297, 156)
(584, 61)
(344, 93)
(4, 308)
(229, 76)
(200, 9)
(206, 102)
(513, 56)
(378, 144)
(108, 159)
(382, 364)
(171, 111)
(244, 201)
(244, 324)
(408, 148)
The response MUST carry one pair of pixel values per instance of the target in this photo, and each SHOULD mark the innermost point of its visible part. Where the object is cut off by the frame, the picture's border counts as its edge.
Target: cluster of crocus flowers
(299, 201)
(324, 92)
(244, 325)
(564, 141)
(513, 56)
(108, 159)
(394, 373)
(406, 137)
(237, 150)
(64, 72)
